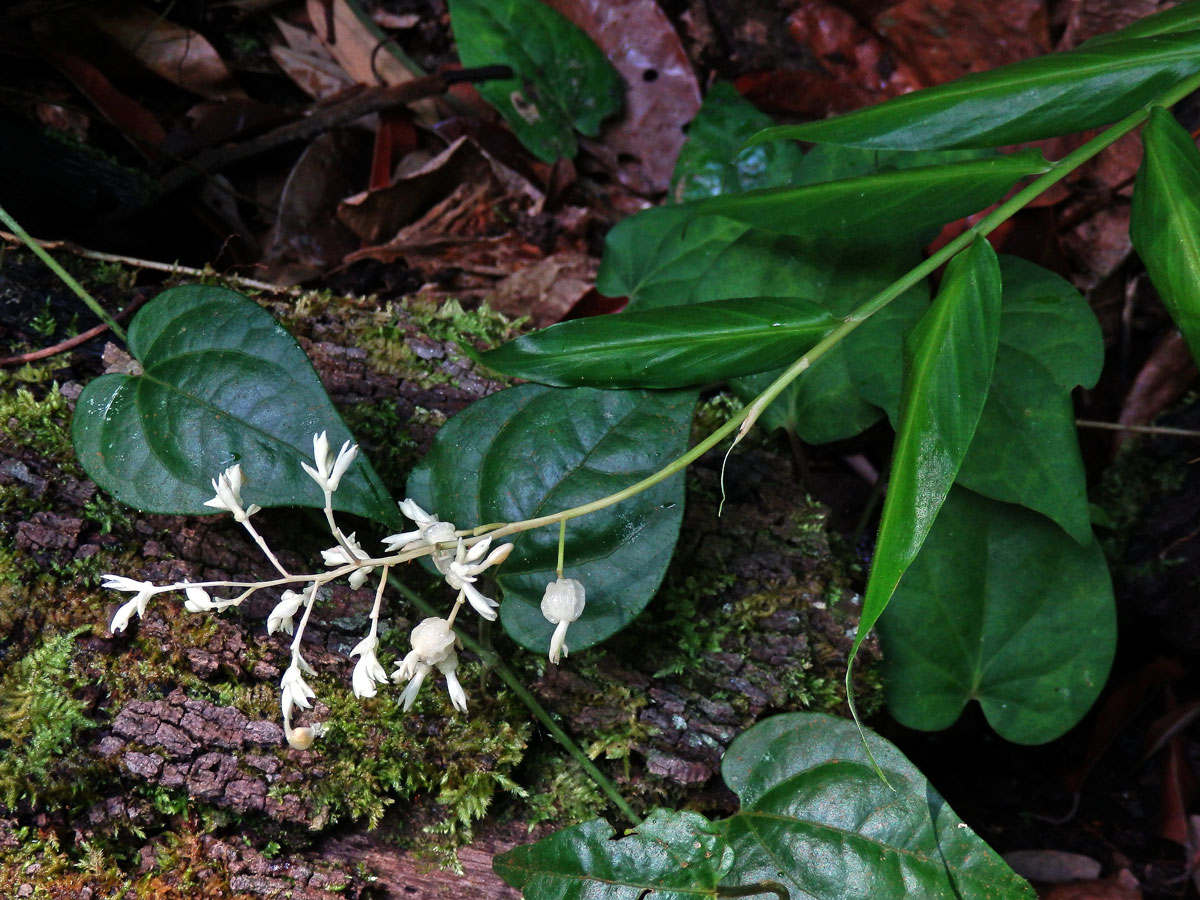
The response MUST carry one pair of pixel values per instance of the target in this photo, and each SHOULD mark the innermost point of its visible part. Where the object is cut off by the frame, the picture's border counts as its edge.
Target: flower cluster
(458, 557)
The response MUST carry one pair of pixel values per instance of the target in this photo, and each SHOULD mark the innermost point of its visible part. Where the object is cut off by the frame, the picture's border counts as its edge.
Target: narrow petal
(485, 606)
(558, 643)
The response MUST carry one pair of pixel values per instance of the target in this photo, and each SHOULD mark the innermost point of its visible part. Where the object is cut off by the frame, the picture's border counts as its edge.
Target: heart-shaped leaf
(1165, 224)
(562, 82)
(530, 451)
(1026, 449)
(669, 856)
(1003, 607)
(817, 818)
(951, 354)
(713, 160)
(1061, 93)
(221, 383)
(666, 348)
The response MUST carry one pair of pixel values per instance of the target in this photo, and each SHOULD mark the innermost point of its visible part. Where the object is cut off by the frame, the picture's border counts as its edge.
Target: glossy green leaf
(672, 855)
(713, 160)
(888, 207)
(1184, 17)
(1003, 607)
(562, 81)
(951, 354)
(1093, 85)
(666, 348)
(1026, 449)
(1165, 223)
(816, 818)
(531, 450)
(221, 382)
(658, 258)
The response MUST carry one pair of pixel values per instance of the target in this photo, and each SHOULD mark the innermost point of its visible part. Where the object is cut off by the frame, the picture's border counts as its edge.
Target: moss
(40, 723)
(37, 417)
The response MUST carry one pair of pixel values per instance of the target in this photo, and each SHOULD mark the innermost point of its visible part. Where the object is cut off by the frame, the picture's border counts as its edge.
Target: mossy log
(163, 763)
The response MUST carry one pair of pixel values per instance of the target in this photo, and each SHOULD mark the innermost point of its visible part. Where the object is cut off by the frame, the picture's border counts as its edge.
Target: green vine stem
(15, 227)
(492, 660)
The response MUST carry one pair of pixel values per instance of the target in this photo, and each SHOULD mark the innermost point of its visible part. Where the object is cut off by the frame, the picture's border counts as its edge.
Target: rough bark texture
(180, 759)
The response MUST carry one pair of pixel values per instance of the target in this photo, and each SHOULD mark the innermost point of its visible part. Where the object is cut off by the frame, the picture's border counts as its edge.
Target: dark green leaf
(666, 348)
(713, 160)
(817, 818)
(889, 207)
(562, 82)
(1038, 98)
(1025, 449)
(673, 855)
(1003, 607)
(532, 450)
(951, 354)
(1165, 225)
(657, 258)
(1184, 17)
(221, 383)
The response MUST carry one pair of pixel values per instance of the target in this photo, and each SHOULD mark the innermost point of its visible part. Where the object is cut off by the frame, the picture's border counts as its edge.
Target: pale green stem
(562, 545)
(15, 227)
(492, 660)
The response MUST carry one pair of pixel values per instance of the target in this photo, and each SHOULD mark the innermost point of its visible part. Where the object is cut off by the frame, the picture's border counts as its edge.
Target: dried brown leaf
(1052, 866)
(547, 290)
(661, 96)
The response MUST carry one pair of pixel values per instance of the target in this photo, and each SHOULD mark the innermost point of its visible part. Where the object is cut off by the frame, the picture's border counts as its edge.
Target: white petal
(485, 606)
(409, 696)
(321, 454)
(315, 475)
(457, 695)
(344, 458)
(412, 511)
(558, 642)
(120, 619)
(121, 583)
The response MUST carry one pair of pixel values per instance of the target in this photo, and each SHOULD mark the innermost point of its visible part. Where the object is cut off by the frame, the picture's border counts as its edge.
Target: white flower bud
(562, 604)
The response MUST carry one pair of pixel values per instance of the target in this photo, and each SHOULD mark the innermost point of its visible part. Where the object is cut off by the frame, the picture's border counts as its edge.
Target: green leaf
(562, 81)
(672, 855)
(1093, 85)
(713, 160)
(1165, 223)
(1003, 607)
(951, 354)
(1184, 17)
(888, 207)
(221, 383)
(531, 450)
(666, 348)
(1026, 449)
(817, 818)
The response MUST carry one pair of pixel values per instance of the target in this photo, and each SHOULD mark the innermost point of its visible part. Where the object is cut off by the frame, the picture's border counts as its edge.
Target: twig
(69, 343)
(362, 102)
(1138, 429)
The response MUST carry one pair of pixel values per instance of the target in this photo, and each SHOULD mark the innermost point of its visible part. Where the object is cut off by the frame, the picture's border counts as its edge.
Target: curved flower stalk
(461, 560)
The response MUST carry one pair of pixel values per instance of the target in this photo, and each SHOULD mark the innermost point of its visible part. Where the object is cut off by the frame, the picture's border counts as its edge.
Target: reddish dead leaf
(1178, 790)
(180, 55)
(1121, 886)
(133, 119)
(1163, 379)
(307, 237)
(217, 121)
(547, 290)
(850, 53)
(946, 39)
(661, 96)
(395, 137)
(1052, 866)
(794, 92)
(1089, 18)
(1098, 244)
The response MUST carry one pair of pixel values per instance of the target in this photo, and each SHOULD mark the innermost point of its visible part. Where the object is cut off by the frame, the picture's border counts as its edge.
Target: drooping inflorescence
(459, 558)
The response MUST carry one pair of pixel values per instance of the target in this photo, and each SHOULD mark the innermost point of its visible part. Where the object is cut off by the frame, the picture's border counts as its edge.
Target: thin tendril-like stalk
(15, 227)
(492, 660)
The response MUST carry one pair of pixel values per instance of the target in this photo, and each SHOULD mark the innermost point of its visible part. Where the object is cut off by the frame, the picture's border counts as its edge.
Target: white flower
(143, 591)
(198, 600)
(302, 738)
(228, 486)
(562, 604)
(328, 473)
(337, 556)
(462, 571)
(280, 618)
(432, 645)
(367, 671)
(430, 532)
(295, 690)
